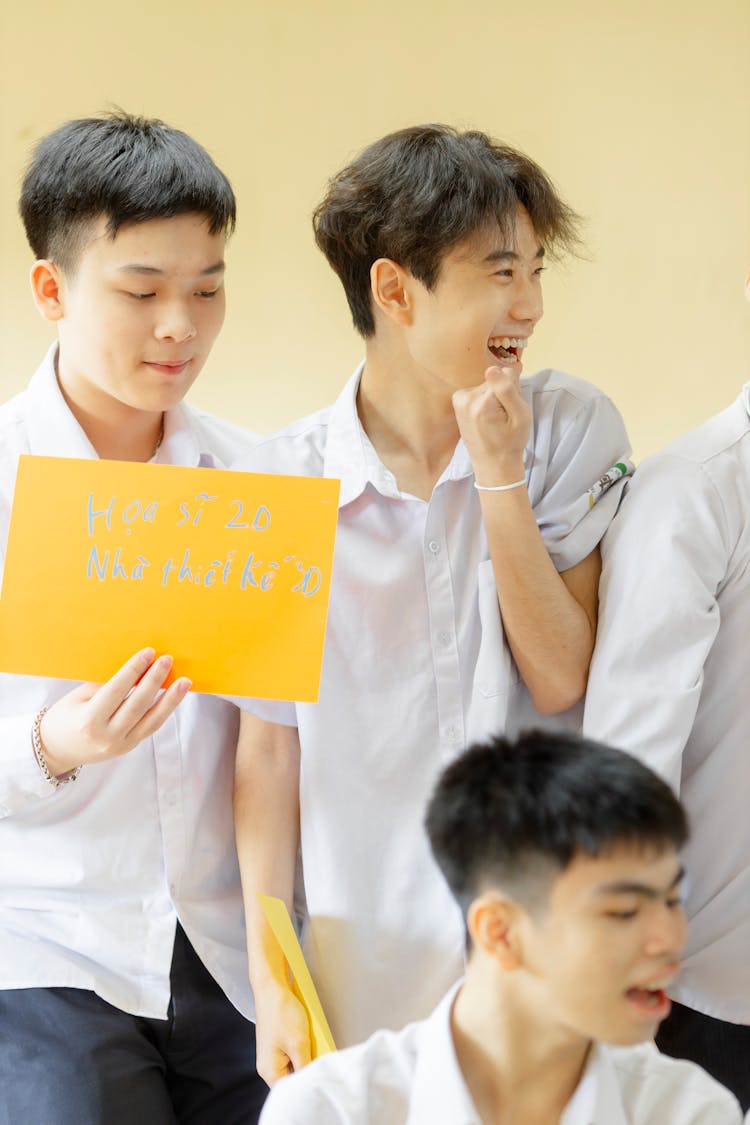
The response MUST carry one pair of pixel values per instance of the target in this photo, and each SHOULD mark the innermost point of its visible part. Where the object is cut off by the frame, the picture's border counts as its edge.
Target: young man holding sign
(123, 995)
(463, 597)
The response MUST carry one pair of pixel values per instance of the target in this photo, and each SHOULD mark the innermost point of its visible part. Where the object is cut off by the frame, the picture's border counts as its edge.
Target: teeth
(506, 342)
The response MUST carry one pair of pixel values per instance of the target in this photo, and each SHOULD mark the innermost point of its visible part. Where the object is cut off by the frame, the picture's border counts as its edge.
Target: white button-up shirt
(412, 1077)
(669, 680)
(416, 666)
(94, 874)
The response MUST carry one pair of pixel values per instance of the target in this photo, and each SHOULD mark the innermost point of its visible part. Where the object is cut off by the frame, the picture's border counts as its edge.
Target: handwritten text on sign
(229, 572)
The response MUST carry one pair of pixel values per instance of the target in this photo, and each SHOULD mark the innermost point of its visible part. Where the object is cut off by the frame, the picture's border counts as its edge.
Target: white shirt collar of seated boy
(439, 1092)
(53, 432)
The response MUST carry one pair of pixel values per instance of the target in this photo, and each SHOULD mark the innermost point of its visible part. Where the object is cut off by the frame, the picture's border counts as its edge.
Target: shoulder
(558, 394)
(12, 415)
(298, 449)
(656, 1088)
(700, 477)
(364, 1085)
(571, 416)
(226, 440)
(14, 439)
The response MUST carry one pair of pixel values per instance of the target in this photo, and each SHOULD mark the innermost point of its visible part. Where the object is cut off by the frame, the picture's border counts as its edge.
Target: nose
(528, 304)
(668, 932)
(175, 323)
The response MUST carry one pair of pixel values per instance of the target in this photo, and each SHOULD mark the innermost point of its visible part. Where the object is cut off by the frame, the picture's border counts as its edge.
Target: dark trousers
(68, 1057)
(723, 1049)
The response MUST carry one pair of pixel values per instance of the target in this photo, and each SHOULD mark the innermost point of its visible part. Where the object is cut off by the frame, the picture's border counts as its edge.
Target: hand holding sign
(95, 722)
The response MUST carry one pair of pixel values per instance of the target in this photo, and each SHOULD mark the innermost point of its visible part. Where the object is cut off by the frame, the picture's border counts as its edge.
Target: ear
(47, 289)
(389, 283)
(494, 925)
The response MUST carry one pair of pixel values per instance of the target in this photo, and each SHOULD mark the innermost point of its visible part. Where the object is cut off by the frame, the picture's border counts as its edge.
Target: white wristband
(499, 487)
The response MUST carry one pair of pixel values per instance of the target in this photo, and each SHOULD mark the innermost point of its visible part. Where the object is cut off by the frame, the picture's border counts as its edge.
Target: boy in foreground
(123, 993)
(463, 597)
(562, 855)
(669, 683)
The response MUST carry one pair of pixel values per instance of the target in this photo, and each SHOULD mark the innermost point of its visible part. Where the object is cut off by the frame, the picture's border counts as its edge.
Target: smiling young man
(463, 598)
(123, 989)
(562, 855)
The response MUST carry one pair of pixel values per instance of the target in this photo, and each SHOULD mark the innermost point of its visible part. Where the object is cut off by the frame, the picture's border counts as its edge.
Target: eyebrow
(644, 889)
(152, 271)
(503, 255)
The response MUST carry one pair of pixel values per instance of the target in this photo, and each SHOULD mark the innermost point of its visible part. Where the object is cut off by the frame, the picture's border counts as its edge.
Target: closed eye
(141, 296)
(207, 293)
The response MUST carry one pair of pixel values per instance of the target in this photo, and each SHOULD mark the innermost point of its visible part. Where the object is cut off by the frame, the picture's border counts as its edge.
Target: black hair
(414, 195)
(124, 168)
(505, 810)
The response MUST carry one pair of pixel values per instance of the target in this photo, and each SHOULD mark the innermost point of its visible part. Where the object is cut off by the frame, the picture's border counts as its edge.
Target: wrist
(55, 773)
(499, 471)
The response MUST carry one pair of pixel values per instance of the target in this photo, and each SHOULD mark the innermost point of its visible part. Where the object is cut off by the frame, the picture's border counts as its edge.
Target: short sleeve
(663, 561)
(270, 710)
(580, 464)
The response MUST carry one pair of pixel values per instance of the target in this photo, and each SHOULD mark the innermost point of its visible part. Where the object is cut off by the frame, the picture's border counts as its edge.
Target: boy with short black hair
(463, 596)
(122, 991)
(562, 855)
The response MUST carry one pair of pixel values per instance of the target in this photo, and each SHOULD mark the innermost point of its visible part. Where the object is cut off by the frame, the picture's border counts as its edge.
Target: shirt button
(450, 733)
(434, 546)
(444, 638)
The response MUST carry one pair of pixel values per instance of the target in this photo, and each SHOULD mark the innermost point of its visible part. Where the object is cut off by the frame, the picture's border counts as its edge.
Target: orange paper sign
(229, 572)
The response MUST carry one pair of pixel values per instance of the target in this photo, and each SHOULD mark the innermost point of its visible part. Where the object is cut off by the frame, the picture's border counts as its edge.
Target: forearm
(549, 620)
(266, 810)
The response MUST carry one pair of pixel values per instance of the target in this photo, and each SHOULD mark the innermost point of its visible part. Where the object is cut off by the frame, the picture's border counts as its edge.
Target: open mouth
(652, 1000)
(507, 348)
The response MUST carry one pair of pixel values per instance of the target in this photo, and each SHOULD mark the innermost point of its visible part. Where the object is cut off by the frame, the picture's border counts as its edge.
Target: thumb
(300, 1051)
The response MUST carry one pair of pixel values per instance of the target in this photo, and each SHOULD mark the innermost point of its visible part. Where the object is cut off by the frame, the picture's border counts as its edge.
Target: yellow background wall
(639, 110)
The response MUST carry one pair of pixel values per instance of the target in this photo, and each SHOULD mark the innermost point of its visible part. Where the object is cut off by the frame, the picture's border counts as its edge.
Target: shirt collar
(351, 456)
(54, 431)
(597, 1099)
(439, 1092)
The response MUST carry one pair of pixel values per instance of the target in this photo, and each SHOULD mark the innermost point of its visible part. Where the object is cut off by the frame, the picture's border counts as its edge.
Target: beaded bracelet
(36, 742)
(499, 487)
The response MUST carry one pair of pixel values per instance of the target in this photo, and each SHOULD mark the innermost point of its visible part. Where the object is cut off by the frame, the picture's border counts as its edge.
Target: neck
(517, 1067)
(117, 432)
(410, 423)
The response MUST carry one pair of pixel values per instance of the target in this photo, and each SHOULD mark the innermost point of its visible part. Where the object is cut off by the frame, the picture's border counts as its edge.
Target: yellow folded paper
(277, 916)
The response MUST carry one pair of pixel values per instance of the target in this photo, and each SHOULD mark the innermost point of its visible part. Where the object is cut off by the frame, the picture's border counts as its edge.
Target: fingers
(110, 695)
(505, 384)
(159, 712)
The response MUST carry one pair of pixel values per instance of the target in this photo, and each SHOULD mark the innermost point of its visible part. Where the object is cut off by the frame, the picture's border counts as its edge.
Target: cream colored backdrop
(639, 110)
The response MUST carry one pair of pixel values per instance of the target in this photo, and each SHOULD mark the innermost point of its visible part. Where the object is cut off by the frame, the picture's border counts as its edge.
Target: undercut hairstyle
(123, 168)
(416, 194)
(511, 814)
